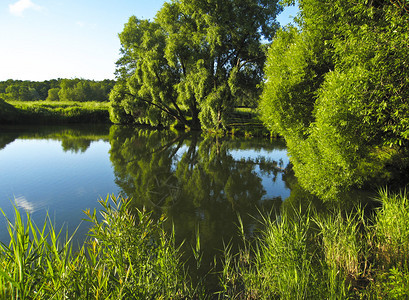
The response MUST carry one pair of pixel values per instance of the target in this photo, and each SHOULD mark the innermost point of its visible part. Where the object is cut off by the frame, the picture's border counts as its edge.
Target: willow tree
(337, 90)
(193, 63)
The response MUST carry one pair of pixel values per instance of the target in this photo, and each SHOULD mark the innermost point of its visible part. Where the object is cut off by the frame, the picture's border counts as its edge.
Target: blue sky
(46, 39)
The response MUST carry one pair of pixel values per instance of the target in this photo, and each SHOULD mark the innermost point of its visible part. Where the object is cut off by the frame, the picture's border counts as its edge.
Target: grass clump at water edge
(126, 256)
(390, 247)
(334, 255)
(279, 264)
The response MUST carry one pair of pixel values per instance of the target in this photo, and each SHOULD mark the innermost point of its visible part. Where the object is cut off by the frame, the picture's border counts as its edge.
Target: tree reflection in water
(195, 182)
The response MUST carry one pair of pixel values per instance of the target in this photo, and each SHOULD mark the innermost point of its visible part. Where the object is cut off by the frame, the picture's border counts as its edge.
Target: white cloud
(20, 6)
(80, 23)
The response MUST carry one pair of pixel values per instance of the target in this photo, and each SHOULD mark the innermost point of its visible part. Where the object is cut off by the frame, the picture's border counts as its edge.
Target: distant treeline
(56, 90)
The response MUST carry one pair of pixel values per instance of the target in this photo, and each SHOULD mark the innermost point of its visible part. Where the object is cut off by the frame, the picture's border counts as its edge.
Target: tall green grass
(342, 244)
(296, 255)
(126, 256)
(390, 247)
(281, 263)
(392, 230)
(284, 260)
(335, 255)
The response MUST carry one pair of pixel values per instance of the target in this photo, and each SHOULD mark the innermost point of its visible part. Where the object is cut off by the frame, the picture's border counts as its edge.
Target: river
(197, 183)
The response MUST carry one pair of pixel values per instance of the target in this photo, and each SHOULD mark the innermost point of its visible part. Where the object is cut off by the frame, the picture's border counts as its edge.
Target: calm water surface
(198, 183)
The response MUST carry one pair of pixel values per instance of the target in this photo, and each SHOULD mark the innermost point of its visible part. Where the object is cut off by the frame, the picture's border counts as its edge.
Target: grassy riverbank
(242, 122)
(298, 256)
(54, 112)
(331, 256)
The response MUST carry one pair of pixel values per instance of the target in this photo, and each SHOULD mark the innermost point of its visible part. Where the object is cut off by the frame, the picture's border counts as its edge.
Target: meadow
(54, 112)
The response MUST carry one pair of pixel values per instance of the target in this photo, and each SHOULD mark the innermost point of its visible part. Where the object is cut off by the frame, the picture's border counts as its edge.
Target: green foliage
(8, 113)
(284, 246)
(55, 112)
(25, 90)
(283, 262)
(55, 90)
(343, 247)
(127, 256)
(339, 237)
(389, 244)
(336, 255)
(393, 284)
(392, 230)
(53, 94)
(81, 90)
(337, 89)
(194, 63)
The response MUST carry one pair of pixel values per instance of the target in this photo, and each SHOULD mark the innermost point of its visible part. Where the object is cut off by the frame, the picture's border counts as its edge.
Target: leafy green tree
(53, 94)
(84, 90)
(68, 89)
(74, 90)
(194, 63)
(337, 90)
(21, 92)
(13, 92)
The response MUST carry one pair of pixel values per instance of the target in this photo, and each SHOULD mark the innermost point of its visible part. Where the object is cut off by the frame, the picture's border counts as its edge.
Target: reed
(278, 264)
(390, 246)
(126, 256)
(336, 255)
(33, 259)
(392, 230)
(342, 243)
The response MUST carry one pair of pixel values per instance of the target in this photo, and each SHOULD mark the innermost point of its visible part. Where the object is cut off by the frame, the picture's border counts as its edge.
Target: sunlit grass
(390, 245)
(280, 264)
(62, 104)
(61, 112)
(392, 230)
(333, 256)
(342, 245)
(296, 255)
(126, 256)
